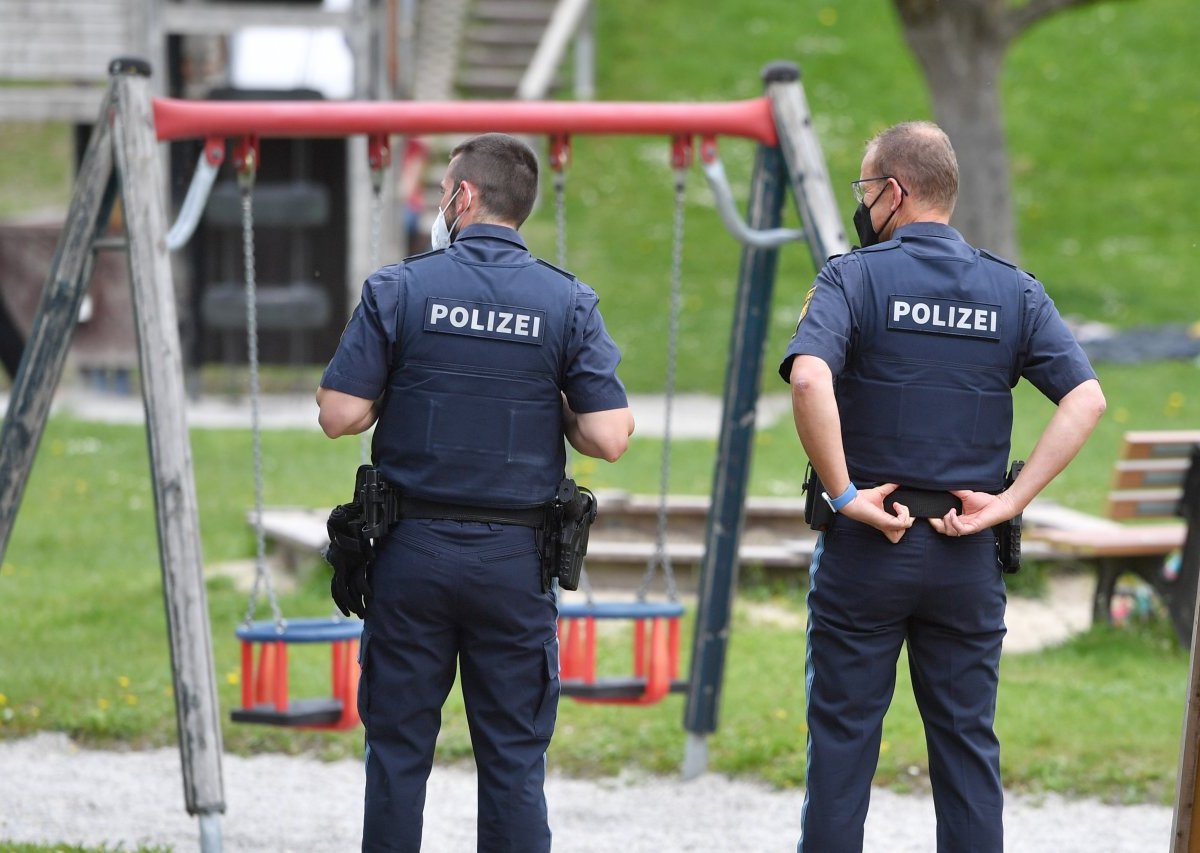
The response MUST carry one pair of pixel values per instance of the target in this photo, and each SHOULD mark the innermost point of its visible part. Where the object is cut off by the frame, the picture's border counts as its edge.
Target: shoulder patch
(558, 270)
(804, 308)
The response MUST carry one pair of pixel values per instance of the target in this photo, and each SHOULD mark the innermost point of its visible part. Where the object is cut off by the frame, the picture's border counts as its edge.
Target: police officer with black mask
(901, 373)
(476, 359)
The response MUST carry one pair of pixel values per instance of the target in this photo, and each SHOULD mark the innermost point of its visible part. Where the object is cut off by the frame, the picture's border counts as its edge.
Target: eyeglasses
(860, 191)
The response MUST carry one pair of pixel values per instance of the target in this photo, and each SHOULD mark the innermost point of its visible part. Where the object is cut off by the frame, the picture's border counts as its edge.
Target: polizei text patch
(485, 320)
(944, 317)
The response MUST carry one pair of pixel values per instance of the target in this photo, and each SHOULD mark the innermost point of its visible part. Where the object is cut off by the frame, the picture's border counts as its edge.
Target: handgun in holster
(564, 540)
(1008, 533)
(817, 512)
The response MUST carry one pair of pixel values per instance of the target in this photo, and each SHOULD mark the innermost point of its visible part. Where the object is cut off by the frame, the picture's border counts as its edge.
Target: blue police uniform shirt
(926, 336)
(469, 348)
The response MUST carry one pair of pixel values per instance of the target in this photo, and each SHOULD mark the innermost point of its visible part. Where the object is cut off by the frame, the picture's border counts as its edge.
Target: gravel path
(53, 792)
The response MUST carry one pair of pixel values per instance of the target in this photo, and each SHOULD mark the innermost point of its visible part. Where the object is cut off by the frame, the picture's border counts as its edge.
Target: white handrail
(769, 238)
(564, 23)
(193, 203)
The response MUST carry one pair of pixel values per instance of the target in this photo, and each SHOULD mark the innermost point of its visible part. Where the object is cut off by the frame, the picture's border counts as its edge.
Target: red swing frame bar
(176, 119)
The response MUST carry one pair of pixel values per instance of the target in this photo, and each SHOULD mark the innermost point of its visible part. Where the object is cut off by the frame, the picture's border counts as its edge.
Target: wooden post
(809, 177)
(45, 353)
(161, 363)
(1185, 833)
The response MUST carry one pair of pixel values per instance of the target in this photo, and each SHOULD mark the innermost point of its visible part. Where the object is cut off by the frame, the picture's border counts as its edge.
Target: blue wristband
(838, 504)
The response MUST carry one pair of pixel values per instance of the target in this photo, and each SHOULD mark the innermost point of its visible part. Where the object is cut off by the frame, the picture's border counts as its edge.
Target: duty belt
(534, 516)
(923, 503)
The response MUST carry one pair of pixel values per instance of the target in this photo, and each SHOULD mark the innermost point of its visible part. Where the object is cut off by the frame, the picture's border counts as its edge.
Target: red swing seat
(655, 652)
(265, 697)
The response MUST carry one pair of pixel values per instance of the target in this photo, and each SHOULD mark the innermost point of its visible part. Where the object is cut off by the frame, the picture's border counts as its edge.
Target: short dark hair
(919, 155)
(505, 170)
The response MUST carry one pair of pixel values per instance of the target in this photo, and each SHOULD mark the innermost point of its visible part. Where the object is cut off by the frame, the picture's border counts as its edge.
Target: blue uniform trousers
(945, 597)
(448, 592)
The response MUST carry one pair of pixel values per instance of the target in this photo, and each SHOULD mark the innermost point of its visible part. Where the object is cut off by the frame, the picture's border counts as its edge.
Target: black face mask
(867, 234)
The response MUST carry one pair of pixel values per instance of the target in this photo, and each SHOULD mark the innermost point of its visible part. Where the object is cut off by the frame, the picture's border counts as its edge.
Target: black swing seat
(300, 712)
(613, 688)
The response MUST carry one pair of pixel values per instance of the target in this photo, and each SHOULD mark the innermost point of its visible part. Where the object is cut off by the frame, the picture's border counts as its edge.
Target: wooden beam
(1143, 503)
(57, 315)
(176, 508)
(221, 18)
(1147, 444)
(1146, 473)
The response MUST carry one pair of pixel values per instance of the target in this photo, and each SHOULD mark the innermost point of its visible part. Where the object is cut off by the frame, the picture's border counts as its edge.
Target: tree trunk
(961, 47)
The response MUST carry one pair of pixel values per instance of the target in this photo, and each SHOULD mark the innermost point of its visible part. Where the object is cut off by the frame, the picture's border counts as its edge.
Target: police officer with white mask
(901, 372)
(476, 359)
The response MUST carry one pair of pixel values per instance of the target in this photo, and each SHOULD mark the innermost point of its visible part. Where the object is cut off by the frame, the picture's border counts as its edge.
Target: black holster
(1008, 533)
(563, 540)
(817, 512)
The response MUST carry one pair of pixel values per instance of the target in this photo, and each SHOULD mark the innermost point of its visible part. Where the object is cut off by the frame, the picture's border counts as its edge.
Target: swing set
(122, 158)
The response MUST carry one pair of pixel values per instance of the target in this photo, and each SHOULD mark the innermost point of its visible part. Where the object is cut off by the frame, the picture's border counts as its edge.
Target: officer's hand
(867, 507)
(980, 511)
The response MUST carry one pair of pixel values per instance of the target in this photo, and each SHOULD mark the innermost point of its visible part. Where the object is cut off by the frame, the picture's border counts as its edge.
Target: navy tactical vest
(926, 395)
(473, 410)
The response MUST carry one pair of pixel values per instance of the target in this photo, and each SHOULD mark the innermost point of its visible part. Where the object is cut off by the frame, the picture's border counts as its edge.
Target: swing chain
(560, 217)
(681, 161)
(560, 155)
(262, 577)
(379, 156)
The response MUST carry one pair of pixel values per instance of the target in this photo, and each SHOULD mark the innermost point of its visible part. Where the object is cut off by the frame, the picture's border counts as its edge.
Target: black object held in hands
(817, 512)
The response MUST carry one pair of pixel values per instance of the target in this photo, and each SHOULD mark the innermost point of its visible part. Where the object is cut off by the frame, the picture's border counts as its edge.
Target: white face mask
(439, 234)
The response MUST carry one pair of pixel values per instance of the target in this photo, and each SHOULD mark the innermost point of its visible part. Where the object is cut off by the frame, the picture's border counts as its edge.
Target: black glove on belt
(350, 554)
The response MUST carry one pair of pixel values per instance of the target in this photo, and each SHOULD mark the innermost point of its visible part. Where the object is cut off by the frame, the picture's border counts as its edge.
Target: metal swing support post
(797, 160)
(121, 158)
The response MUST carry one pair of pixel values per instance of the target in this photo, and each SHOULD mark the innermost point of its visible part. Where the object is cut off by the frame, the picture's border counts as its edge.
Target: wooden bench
(1153, 510)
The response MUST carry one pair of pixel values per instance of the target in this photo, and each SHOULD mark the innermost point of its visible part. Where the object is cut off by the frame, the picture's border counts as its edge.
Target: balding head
(918, 154)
